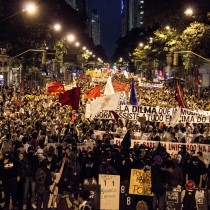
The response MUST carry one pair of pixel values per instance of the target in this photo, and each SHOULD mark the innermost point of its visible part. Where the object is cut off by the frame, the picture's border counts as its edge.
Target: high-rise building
(132, 12)
(93, 18)
(85, 7)
(95, 24)
(72, 3)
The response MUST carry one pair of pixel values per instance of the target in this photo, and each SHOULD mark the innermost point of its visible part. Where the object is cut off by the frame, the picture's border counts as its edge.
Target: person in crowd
(83, 198)
(189, 197)
(29, 180)
(10, 176)
(174, 178)
(195, 170)
(43, 180)
(158, 183)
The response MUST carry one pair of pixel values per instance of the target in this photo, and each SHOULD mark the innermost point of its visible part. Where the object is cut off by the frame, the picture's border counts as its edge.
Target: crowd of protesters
(29, 123)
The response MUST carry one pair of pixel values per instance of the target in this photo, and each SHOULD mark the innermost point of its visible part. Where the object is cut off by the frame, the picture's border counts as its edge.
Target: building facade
(95, 27)
(132, 12)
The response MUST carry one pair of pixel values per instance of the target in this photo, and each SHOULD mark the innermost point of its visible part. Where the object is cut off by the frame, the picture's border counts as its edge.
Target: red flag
(121, 87)
(54, 88)
(93, 92)
(179, 96)
(71, 98)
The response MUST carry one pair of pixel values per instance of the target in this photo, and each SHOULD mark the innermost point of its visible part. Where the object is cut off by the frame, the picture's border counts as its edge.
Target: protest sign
(94, 195)
(140, 182)
(126, 200)
(110, 191)
(173, 200)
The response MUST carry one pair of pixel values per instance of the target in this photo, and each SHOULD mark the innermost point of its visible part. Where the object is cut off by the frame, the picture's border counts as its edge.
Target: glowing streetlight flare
(77, 44)
(168, 28)
(84, 48)
(70, 37)
(141, 44)
(30, 8)
(57, 27)
(188, 12)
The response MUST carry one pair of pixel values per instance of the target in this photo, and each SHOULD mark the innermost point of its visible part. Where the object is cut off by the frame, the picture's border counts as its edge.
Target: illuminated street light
(188, 12)
(84, 48)
(57, 27)
(71, 38)
(141, 44)
(168, 28)
(77, 44)
(30, 8)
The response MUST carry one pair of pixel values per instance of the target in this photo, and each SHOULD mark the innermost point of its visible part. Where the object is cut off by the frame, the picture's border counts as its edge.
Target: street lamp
(71, 37)
(188, 12)
(57, 27)
(77, 44)
(29, 8)
(168, 28)
(141, 44)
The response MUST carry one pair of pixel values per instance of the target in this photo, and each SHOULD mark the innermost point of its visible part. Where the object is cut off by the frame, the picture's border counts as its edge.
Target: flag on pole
(121, 87)
(133, 97)
(93, 92)
(54, 88)
(125, 74)
(109, 103)
(71, 98)
(109, 90)
(179, 96)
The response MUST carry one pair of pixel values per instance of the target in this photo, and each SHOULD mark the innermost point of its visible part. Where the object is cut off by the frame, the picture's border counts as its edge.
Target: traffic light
(176, 59)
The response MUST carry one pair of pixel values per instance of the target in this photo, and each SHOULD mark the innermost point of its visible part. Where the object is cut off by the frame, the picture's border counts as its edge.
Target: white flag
(125, 74)
(109, 103)
(176, 117)
(109, 90)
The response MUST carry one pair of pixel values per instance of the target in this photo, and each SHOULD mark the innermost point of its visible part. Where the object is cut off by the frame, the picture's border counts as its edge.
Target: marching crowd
(29, 163)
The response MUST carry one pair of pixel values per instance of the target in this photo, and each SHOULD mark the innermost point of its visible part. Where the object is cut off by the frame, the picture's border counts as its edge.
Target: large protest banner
(153, 114)
(171, 147)
(140, 182)
(110, 191)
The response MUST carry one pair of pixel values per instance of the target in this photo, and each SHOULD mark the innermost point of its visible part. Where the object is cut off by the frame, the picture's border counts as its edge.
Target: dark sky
(110, 23)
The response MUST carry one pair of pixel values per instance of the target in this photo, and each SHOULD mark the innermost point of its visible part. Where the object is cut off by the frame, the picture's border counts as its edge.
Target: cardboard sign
(110, 191)
(140, 182)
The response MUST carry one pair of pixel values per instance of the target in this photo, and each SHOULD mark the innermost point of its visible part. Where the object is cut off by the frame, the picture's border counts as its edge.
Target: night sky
(110, 23)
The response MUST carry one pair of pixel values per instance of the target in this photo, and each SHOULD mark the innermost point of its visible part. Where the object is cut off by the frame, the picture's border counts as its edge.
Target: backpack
(189, 201)
(40, 176)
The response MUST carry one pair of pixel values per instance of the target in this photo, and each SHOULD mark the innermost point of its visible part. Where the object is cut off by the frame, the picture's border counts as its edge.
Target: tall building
(93, 18)
(85, 7)
(132, 12)
(72, 3)
(95, 24)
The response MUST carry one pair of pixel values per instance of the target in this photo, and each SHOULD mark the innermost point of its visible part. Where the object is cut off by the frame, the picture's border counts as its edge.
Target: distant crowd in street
(30, 122)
